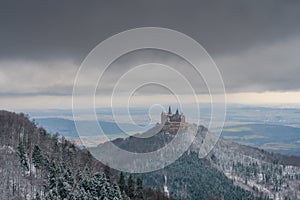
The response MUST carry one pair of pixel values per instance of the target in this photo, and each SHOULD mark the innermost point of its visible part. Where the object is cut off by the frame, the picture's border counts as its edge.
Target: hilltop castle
(172, 122)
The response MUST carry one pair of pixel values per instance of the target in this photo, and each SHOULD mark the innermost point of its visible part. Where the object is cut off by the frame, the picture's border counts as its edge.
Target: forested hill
(229, 171)
(188, 177)
(37, 165)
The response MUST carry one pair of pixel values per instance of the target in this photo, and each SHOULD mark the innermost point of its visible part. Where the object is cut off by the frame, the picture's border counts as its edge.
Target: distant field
(275, 138)
(238, 129)
(279, 146)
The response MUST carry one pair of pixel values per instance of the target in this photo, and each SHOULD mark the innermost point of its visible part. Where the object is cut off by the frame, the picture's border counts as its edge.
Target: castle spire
(170, 112)
(177, 113)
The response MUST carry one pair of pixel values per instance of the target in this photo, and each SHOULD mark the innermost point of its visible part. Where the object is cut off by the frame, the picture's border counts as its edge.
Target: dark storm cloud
(274, 67)
(47, 29)
(244, 38)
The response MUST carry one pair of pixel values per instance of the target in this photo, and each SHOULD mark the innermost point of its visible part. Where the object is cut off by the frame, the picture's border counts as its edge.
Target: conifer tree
(69, 177)
(121, 182)
(37, 157)
(52, 176)
(62, 189)
(139, 188)
(130, 187)
(22, 155)
(37, 196)
(107, 171)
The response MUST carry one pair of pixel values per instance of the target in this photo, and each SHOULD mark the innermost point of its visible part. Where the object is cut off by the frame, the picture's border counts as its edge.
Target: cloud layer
(254, 43)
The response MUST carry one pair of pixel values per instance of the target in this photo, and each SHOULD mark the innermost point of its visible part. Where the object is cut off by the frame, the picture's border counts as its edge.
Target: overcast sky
(255, 44)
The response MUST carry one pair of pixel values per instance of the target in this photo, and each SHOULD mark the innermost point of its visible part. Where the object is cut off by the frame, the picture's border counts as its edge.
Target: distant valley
(67, 128)
(274, 138)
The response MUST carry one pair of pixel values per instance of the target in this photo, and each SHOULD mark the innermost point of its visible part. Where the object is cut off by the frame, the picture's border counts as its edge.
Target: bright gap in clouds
(19, 103)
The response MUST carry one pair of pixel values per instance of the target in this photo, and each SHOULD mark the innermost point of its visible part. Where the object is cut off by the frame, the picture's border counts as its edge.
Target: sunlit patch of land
(279, 146)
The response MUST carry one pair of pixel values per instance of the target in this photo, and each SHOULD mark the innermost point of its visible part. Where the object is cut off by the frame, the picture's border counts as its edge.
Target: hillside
(37, 165)
(228, 165)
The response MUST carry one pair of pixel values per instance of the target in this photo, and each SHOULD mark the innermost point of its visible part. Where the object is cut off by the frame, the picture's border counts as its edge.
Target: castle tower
(163, 118)
(182, 118)
(170, 111)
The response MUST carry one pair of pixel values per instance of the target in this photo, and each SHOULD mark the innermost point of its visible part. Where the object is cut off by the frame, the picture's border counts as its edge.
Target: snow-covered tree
(23, 158)
(37, 157)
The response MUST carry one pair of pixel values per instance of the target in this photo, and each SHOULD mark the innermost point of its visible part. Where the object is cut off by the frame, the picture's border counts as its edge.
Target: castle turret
(170, 112)
(183, 119)
(163, 118)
